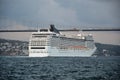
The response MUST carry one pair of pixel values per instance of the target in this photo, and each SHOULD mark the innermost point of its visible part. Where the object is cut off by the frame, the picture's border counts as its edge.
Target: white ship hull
(54, 52)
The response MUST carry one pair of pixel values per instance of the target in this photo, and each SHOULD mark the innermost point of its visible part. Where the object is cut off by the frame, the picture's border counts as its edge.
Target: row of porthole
(75, 49)
(39, 51)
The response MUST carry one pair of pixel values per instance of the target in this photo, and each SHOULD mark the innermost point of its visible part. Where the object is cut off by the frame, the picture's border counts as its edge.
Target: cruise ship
(50, 42)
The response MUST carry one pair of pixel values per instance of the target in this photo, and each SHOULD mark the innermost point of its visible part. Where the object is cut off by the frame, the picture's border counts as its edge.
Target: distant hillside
(11, 41)
(107, 49)
(16, 47)
(13, 47)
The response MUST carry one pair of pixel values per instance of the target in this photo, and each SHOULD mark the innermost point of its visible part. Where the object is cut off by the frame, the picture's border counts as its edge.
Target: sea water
(59, 68)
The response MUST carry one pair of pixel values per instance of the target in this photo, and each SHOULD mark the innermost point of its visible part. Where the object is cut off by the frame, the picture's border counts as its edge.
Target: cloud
(62, 12)
(40, 12)
(95, 12)
(11, 25)
(16, 26)
(52, 12)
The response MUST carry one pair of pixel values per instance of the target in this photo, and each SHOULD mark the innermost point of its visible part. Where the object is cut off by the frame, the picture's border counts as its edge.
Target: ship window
(54, 34)
(37, 47)
(39, 36)
(44, 34)
(43, 30)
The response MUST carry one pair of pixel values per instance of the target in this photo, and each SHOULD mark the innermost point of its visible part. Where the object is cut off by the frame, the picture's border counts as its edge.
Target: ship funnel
(53, 29)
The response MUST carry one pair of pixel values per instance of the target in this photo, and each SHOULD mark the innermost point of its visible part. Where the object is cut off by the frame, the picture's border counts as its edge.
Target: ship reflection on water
(60, 68)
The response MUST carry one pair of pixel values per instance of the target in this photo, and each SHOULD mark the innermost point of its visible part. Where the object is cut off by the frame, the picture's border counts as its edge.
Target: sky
(62, 13)
(33, 14)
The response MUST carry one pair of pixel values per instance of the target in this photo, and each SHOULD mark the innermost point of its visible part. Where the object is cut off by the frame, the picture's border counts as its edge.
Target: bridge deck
(62, 30)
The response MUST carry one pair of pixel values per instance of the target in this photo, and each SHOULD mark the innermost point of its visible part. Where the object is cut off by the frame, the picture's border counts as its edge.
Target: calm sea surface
(59, 68)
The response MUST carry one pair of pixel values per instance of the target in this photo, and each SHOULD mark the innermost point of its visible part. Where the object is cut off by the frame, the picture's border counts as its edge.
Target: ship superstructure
(49, 42)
